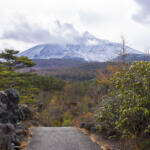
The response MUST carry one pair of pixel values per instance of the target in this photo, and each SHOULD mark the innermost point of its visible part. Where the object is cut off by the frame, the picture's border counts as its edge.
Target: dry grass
(105, 147)
(102, 144)
(24, 144)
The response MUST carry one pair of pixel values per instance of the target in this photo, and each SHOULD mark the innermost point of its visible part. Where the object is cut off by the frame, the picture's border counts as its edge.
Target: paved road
(63, 138)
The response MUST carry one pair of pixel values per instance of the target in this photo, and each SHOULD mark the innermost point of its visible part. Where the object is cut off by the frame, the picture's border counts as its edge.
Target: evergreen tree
(12, 62)
(10, 76)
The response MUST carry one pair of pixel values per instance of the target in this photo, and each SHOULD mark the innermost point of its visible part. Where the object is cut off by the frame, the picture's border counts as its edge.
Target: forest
(114, 102)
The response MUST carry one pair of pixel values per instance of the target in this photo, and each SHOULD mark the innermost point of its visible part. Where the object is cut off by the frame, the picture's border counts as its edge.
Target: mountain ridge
(88, 48)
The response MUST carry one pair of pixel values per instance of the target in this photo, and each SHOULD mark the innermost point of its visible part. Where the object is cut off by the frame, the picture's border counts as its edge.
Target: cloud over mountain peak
(63, 34)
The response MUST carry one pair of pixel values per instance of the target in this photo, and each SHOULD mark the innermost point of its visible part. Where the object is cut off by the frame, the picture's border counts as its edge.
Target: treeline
(82, 72)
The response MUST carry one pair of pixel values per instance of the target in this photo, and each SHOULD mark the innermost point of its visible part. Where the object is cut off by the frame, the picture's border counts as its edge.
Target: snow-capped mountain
(88, 48)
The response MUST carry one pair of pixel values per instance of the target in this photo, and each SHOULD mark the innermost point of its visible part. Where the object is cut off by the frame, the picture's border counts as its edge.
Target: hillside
(133, 57)
(67, 69)
(57, 63)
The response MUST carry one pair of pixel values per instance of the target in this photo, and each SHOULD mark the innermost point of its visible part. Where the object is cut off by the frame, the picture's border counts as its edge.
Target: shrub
(56, 123)
(67, 122)
(127, 111)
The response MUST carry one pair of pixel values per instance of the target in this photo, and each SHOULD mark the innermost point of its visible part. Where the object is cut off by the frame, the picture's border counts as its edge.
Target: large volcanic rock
(11, 113)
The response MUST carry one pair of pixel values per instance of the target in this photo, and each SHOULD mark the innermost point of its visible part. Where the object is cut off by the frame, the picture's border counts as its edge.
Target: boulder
(83, 125)
(11, 113)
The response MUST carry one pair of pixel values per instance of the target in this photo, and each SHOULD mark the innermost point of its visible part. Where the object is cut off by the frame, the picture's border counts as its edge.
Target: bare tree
(123, 54)
(147, 50)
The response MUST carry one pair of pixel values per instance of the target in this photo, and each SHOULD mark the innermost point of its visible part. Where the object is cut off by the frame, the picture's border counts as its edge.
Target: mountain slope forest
(115, 103)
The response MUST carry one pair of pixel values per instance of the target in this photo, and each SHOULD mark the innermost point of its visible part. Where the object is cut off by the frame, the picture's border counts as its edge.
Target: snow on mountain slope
(89, 48)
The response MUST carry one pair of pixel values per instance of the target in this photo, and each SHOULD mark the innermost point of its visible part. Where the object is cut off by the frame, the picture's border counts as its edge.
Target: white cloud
(26, 33)
(28, 22)
(143, 15)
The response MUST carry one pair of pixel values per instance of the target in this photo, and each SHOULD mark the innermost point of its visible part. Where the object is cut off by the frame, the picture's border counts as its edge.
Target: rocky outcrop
(12, 131)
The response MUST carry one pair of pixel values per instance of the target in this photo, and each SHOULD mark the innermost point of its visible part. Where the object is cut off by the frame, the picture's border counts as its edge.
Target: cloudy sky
(26, 23)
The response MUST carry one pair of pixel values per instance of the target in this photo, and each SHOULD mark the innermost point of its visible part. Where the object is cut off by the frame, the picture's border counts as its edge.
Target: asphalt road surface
(60, 138)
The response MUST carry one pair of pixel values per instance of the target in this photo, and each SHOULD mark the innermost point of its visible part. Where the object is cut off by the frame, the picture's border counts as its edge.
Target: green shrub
(106, 116)
(127, 111)
(67, 122)
(47, 83)
(56, 123)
